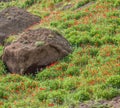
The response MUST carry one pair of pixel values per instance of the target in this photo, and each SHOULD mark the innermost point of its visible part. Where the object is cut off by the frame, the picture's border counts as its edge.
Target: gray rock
(35, 49)
(14, 20)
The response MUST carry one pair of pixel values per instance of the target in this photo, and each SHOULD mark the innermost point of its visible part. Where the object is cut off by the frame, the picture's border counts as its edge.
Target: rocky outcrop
(5, 0)
(35, 49)
(14, 20)
(111, 103)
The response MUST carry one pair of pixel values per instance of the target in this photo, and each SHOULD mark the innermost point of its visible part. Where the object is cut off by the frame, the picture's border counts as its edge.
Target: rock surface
(66, 7)
(14, 20)
(5, 0)
(34, 49)
(113, 103)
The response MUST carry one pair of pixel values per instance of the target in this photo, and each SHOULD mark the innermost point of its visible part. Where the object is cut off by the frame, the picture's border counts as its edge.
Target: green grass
(91, 71)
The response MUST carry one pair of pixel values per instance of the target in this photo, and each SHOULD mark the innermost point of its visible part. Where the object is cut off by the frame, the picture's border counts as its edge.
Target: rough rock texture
(14, 20)
(5, 0)
(66, 7)
(113, 103)
(34, 49)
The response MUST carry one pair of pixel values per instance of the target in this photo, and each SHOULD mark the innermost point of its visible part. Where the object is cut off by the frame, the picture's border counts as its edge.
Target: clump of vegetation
(10, 39)
(114, 81)
(2, 68)
(39, 43)
(29, 3)
(82, 96)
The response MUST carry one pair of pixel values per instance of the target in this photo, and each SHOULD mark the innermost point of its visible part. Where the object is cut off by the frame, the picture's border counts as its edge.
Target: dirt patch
(14, 20)
(114, 103)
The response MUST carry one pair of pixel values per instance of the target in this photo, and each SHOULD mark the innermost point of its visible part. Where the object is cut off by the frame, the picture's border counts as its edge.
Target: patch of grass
(91, 71)
(114, 81)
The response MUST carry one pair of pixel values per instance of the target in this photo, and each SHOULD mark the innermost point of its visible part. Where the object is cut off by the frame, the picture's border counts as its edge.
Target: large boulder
(14, 20)
(35, 49)
(5, 0)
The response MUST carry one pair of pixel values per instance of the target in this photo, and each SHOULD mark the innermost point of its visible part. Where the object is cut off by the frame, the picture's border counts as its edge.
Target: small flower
(42, 89)
(92, 82)
(51, 104)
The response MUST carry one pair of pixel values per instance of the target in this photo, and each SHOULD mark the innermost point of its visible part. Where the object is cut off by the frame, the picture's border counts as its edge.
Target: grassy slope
(89, 72)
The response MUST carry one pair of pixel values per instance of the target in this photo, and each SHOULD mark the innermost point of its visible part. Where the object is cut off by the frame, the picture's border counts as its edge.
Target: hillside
(90, 73)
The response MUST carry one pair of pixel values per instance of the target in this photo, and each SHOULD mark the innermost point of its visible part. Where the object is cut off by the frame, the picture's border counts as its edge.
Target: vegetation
(91, 71)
